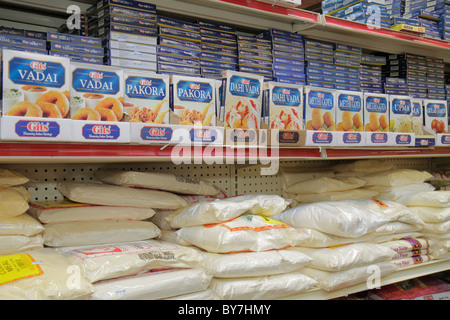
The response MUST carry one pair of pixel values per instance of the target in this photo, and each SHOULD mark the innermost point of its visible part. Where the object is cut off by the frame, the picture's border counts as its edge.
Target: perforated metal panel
(233, 179)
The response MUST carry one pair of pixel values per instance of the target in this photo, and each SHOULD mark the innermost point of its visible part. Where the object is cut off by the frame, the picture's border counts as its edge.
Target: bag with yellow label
(245, 233)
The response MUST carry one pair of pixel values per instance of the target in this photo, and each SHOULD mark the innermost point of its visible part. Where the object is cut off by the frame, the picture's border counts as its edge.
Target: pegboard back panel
(233, 179)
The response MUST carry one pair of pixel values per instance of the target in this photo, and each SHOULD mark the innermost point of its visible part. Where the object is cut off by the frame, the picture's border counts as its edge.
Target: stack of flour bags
(411, 188)
(410, 251)
(338, 182)
(244, 249)
(343, 238)
(130, 262)
(18, 230)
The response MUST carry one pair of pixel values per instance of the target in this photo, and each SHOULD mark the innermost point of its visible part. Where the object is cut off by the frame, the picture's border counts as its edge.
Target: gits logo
(33, 128)
(37, 65)
(38, 126)
(322, 137)
(145, 82)
(96, 75)
(245, 81)
(101, 129)
(157, 132)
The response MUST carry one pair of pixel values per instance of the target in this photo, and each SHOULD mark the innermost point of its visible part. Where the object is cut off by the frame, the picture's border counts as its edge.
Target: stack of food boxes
(128, 31)
(347, 61)
(444, 24)
(255, 55)
(319, 64)
(395, 8)
(288, 56)
(435, 78)
(373, 13)
(77, 48)
(21, 43)
(370, 74)
(218, 49)
(179, 47)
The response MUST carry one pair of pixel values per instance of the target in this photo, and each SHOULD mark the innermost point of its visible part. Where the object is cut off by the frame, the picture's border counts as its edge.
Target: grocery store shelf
(25, 152)
(403, 274)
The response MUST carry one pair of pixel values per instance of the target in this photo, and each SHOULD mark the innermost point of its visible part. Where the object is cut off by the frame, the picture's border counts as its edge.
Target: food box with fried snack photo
(35, 97)
(193, 101)
(146, 98)
(349, 112)
(376, 112)
(320, 109)
(242, 99)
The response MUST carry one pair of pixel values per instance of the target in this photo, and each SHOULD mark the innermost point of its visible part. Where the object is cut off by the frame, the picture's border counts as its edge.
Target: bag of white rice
(330, 281)
(173, 236)
(153, 285)
(157, 180)
(290, 176)
(244, 233)
(59, 211)
(222, 210)
(12, 244)
(98, 232)
(23, 225)
(125, 259)
(41, 275)
(439, 199)
(439, 228)
(363, 166)
(254, 264)
(361, 193)
(396, 177)
(109, 195)
(325, 184)
(262, 288)
(347, 218)
(431, 214)
(13, 201)
(347, 256)
(407, 244)
(10, 178)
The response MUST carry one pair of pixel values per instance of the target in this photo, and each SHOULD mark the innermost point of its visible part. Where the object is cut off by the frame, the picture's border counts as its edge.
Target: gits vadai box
(96, 92)
(35, 85)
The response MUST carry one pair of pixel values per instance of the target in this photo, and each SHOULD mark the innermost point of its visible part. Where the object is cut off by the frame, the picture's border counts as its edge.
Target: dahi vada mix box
(146, 98)
(283, 103)
(400, 116)
(349, 112)
(35, 85)
(242, 99)
(96, 92)
(376, 112)
(193, 100)
(320, 109)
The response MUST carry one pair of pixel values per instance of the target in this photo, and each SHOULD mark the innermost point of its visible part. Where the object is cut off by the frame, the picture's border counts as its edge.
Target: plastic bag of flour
(12, 244)
(244, 233)
(98, 232)
(13, 201)
(153, 285)
(125, 259)
(432, 214)
(290, 176)
(439, 199)
(360, 193)
(157, 180)
(109, 195)
(67, 211)
(347, 256)
(363, 166)
(396, 177)
(261, 288)
(222, 210)
(325, 184)
(23, 224)
(41, 275)
(330, 281)
(254, 264)
(10, 178)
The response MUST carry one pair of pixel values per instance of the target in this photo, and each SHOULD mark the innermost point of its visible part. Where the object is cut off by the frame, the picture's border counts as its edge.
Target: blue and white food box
(389, 139)
(100, 131)
(15, 128)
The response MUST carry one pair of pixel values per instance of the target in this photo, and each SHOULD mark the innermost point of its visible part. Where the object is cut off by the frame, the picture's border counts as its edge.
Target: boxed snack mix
(146, 97)
(400, 116)
(436, 115)
(320, 109)
(35, 85)
(242, 99)
(376, 112)
(349, 112)
(283, 104)
(193, 100)
(96, 92)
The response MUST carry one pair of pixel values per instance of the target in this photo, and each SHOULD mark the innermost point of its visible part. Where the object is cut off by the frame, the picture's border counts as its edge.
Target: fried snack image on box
(285, 105)
(320, 109)
(321, 122)
(243, 115)
(146, 97)
(349, 113)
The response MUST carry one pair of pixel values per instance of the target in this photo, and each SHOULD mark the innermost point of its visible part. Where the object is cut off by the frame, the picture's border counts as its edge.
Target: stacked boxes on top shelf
(78, 48)
(427, 13)
(395, 8)
(178, 47)
(319, 64)
(255, 55)
(370, 73)
(435, 79)
(21, 43)
(444, 24)
(127, 28)
(371, 12)
(347, 63)
(411, 68)
(288, 56)
(218, 49)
